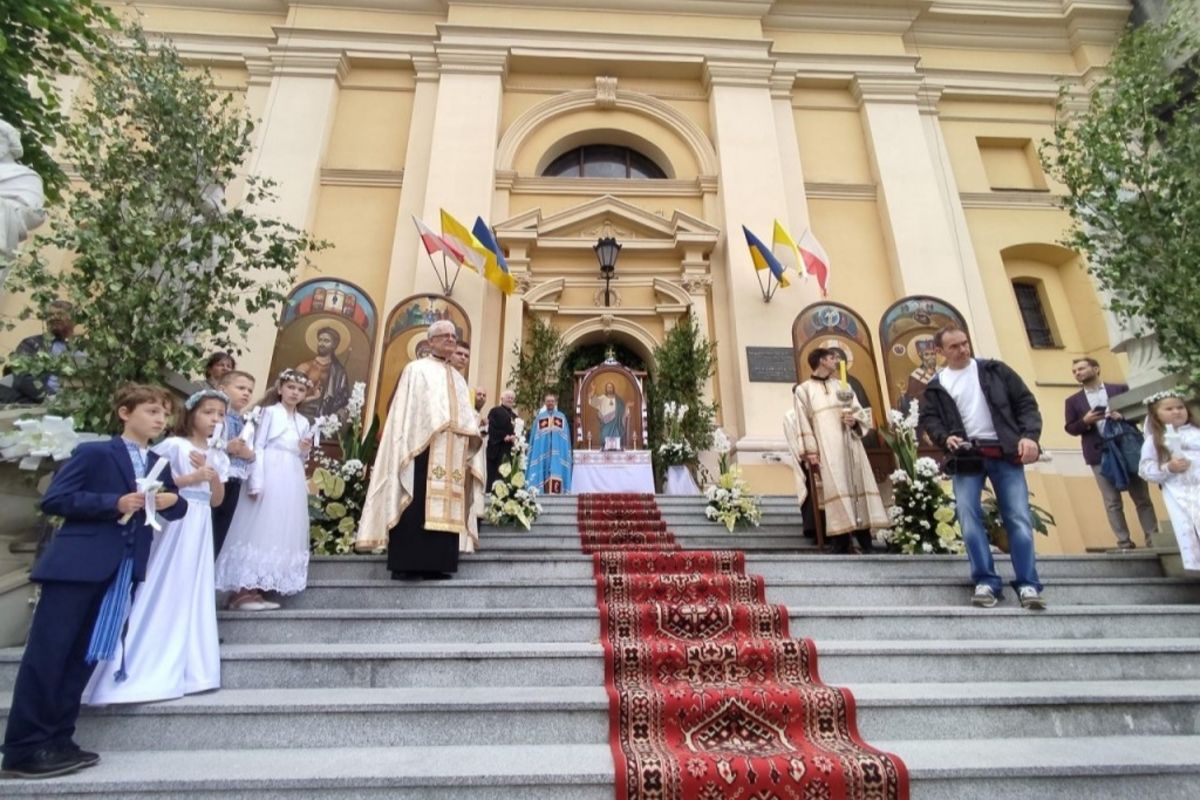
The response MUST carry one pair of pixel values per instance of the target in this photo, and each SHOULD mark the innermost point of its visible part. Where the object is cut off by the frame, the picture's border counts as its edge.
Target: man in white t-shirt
(980, 411)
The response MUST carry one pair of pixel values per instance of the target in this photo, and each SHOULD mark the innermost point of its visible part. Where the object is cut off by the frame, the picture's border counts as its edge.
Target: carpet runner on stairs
(709, 696)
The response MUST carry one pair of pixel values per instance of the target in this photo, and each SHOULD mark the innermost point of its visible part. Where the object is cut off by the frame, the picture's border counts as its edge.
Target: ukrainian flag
(496, 270)
(763, 258)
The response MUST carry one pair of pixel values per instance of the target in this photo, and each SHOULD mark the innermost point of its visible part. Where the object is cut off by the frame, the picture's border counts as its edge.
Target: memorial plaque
(771, 364)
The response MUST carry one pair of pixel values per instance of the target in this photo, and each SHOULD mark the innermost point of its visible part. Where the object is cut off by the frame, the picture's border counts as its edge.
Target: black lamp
(607, 249)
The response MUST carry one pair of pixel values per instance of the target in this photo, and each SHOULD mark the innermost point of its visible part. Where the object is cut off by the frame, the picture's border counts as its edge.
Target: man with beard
(330, 384)
(426, 490)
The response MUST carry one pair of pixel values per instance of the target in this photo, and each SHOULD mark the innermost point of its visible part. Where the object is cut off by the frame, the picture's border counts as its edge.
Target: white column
(797, 218)
(461, 173)
(293, 135)
(752, 192)
(926, 258)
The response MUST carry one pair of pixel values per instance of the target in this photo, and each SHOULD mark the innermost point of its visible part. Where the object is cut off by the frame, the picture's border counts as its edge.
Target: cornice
(470, 61)
(886, 88)
(1010, 200)
(362, 177)
(865, 16)
(729, 72)
(840, 191)
(590, 187)
(292, 62)
(1039, 25)
(1021, 87)
(718, 8)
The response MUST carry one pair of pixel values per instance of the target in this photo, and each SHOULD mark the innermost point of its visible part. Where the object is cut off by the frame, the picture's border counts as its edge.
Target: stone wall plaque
(771, 364)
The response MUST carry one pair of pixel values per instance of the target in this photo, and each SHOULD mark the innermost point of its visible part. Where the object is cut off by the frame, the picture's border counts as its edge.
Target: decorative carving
(606, 92)
(21, 194)
(613, 295)
(696, 284)
(524, 282)
(606, 320)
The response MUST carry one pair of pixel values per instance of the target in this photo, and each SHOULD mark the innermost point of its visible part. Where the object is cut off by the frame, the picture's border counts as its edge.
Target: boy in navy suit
(87, 575)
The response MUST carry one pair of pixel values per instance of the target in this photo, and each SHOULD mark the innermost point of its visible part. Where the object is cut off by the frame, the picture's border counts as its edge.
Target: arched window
(1033, 314)
(603, 161)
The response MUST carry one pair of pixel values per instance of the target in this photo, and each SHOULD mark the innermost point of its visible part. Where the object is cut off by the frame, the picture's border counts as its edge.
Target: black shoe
(407, 576)
(90, 759)
(48, 762)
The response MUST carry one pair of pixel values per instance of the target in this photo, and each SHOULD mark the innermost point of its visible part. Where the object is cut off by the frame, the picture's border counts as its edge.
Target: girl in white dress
(171, 646)
(1171, 457)
(267, 546)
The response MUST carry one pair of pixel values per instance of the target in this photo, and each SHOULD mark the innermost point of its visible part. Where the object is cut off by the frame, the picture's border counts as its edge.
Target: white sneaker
(984, 597)
(1032, 599)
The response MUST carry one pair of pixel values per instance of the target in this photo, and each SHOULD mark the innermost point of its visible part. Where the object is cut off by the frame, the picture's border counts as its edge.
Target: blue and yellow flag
(763, 258)
(496, 270)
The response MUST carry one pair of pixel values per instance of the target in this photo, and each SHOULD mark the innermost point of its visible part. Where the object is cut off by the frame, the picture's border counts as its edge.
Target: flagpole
(766, 294)
(433, 264)
(458, 265)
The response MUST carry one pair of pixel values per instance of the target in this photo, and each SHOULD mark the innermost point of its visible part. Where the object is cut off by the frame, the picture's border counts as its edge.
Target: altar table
(600, 471)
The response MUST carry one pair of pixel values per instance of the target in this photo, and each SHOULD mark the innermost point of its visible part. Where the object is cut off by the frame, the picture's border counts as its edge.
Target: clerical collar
(817, 377)
(439, 358)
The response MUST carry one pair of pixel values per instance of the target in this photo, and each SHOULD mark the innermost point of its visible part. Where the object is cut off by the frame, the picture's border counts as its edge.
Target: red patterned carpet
(709, 697)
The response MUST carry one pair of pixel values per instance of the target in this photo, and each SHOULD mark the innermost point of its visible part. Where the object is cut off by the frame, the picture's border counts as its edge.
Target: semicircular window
(603, 161)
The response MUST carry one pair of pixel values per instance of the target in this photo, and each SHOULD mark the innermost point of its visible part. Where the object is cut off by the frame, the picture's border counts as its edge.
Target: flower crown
(205, 394)
(1163, 395)
(290, 375)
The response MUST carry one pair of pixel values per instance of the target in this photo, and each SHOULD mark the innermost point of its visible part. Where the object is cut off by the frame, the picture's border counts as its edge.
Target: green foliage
(41, 40)
(161, 272)
(1131, 166)
(682, 364)
(536, 369)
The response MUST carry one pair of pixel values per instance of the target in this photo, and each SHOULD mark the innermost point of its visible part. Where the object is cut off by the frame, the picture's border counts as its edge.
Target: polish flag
(816, 260)
(433, 242)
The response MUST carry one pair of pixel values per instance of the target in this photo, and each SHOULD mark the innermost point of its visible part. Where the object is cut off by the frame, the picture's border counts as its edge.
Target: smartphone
(1101, 409)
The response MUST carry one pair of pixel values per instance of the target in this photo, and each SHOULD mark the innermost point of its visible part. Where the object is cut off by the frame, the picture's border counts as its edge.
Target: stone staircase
(491, 685)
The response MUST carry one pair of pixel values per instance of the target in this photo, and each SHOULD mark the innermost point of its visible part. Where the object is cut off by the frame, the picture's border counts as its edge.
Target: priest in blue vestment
(549, 469)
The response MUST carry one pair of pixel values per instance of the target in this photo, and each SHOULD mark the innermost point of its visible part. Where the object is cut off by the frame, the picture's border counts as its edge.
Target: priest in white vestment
(426, 490)
(831, 441)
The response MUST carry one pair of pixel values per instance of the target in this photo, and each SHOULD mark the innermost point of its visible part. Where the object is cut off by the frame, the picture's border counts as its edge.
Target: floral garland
(510, 500)
(675, 449)
(922, 513)
(729, 498)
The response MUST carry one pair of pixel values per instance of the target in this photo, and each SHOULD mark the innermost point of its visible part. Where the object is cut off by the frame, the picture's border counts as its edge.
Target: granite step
(485, 565)
(841, 662)
(574, 593)
(365, 626)
(404, 717)
(1081, 768)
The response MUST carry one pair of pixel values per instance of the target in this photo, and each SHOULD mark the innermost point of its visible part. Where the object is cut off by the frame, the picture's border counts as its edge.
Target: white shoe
(1032, 599)
(984, 597)
(256, 605)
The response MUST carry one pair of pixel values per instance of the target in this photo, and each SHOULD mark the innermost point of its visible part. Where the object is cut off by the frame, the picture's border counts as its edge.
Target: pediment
(581, 225)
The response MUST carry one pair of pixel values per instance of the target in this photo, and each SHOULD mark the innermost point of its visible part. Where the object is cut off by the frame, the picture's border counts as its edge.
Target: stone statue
(21, 194)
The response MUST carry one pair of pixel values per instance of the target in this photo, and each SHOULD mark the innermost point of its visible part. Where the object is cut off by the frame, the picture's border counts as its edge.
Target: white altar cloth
(597, 471)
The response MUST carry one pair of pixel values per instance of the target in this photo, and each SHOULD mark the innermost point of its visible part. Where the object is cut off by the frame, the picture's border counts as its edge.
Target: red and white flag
(433, 242)
(816, 260)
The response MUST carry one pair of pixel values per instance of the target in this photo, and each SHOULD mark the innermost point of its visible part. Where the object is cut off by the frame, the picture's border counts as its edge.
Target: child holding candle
(87, 575)
(267, 546)
(1171, 458)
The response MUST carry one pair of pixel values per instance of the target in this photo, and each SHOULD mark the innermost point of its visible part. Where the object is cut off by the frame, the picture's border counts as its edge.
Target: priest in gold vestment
(426, 490)
(831, 441)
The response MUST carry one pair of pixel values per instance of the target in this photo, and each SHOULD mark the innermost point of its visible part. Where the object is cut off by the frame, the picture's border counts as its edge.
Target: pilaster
(928, 247)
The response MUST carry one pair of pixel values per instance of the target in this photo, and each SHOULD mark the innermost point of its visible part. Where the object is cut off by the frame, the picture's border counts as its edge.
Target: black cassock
(500, 424)
(412, 548)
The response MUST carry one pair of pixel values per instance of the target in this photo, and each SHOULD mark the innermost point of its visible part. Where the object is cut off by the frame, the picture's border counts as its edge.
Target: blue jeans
(1012, 494)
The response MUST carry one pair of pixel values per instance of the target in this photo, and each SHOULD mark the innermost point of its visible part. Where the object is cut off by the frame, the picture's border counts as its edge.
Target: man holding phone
(1087, 411)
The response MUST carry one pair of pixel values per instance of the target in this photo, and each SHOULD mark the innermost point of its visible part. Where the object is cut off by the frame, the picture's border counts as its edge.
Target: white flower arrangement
(510, 500)
(675, 449)
(32, 440)
(922, 515)
(358, 398)
(730, 501)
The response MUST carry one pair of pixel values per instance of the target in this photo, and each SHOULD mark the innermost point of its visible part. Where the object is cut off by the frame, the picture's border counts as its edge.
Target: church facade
(903, 134)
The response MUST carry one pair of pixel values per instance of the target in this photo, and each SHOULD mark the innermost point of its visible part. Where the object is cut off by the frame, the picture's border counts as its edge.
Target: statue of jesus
(614, 417)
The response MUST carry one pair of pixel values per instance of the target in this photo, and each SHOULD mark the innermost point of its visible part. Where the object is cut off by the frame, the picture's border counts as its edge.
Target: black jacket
(500, 424)
(1014, 409)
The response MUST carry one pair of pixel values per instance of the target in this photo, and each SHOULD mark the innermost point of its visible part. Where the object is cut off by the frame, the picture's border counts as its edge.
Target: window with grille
(1033, 315)
(603, 161)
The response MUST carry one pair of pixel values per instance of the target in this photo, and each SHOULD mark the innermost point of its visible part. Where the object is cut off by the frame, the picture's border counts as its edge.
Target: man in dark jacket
(1087, 412)
(500, 435)
(27, 388)
(980, 411)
